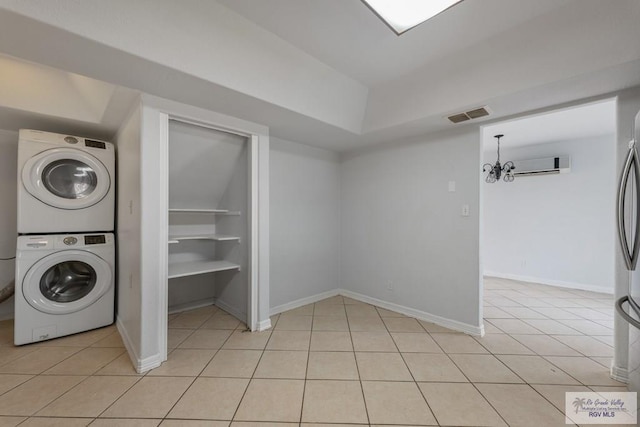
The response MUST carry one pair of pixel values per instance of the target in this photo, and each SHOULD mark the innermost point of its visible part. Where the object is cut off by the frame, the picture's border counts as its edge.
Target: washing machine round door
(66, 281)
(66, 178)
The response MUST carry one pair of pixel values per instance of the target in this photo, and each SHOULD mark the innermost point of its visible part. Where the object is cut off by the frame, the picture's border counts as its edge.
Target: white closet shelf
(205, 211)
(216, 237)
(191, 268)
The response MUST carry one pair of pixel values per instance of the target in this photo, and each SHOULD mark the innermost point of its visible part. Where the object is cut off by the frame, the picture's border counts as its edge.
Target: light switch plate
(452, 186)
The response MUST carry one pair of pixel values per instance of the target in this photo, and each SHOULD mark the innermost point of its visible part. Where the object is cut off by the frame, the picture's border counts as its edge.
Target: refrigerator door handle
(630, 254)
(624, 314)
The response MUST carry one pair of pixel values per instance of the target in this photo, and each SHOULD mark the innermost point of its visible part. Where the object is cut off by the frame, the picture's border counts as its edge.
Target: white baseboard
(264, 325)
(550, 282)
(178, 308)
(149, 363)
(231, 310)
(422, 315)
(303, 301)
(619, 374)
(140, 365)
(192, 305)
(133, 355)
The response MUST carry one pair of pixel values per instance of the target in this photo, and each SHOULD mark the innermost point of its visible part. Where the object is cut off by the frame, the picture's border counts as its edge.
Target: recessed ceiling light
(402, 15)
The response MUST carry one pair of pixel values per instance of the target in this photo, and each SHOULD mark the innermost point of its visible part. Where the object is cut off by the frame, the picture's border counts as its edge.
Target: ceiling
(576, 123)
(326, 73)
(349, 37)
(36, 96)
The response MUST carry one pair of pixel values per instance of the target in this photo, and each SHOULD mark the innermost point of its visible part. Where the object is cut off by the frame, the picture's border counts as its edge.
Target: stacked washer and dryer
(65, 257)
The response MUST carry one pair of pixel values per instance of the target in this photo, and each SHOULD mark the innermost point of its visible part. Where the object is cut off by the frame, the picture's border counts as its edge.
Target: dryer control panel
(58, 139)
(96, 239)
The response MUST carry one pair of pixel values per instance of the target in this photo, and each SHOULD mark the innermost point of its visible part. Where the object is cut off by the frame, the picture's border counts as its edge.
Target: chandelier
(495, 171)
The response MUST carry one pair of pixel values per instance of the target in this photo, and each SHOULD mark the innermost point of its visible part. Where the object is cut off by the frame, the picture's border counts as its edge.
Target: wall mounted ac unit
(546, 166)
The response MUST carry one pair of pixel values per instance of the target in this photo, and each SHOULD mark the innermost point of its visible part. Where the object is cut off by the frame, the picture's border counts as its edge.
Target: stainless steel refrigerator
(629, 236)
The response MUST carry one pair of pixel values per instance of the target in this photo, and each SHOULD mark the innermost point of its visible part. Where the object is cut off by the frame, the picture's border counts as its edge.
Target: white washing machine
(65, 183)
(64, 285)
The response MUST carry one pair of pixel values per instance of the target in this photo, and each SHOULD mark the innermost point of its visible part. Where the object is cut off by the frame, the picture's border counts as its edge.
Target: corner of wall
(399, 224)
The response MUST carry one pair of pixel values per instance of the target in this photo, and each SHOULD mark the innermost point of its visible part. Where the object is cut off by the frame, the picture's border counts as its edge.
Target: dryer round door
(66, 281)
(66, 178)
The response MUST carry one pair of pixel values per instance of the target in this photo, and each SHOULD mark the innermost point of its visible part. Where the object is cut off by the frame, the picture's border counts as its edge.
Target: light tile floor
(338, 361)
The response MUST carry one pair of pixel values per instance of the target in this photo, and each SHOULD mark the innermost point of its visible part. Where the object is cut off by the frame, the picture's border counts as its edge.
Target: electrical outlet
(465, 210)
(390, 286)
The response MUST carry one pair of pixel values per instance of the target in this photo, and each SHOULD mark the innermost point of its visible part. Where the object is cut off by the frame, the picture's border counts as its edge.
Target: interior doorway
(548, 237)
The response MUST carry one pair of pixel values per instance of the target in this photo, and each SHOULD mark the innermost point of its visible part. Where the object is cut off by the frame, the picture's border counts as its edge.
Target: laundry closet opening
(209, 211)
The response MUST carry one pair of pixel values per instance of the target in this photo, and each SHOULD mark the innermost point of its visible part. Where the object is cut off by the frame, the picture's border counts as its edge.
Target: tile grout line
(146, 374)
(557, 367)
(536, 355)
(355, 359)
(304, 386)
(465, 375)
(235, 413)
(42, 374)
(426, 401)
(544, 357)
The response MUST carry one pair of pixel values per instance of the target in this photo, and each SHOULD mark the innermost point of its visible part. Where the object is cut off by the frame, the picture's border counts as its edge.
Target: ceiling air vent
(468, 115)
(457, 118)
(477, 113)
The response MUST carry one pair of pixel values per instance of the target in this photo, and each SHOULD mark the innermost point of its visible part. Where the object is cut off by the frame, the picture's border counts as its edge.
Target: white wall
(402, 228)
(305, 222)
(129, 223)
(554, 229)
(8, 230)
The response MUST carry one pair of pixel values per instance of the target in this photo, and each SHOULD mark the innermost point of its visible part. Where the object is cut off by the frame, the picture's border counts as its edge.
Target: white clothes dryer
(65, 284)
(65, 183)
